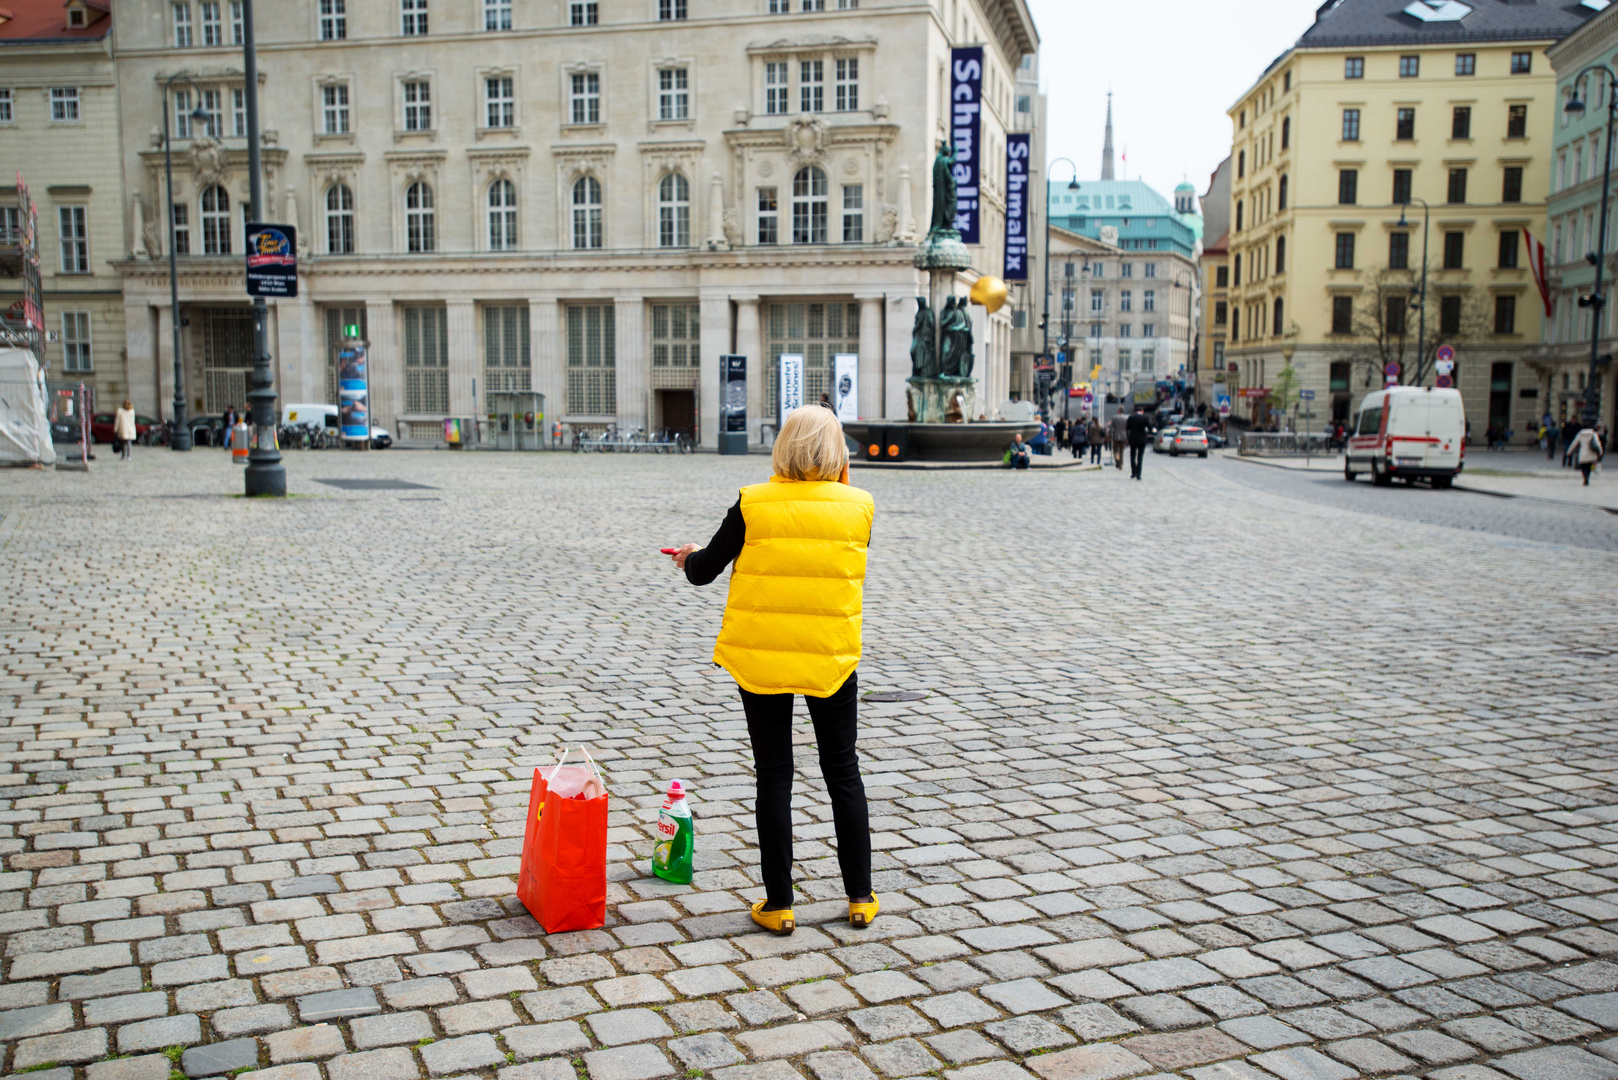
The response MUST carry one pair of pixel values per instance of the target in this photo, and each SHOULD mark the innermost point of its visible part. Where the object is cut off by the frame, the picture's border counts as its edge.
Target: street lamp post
(265, 473)
(180, 437)
(1045, 316)
(1190, 297)
(1421, 305)
(1596, 302)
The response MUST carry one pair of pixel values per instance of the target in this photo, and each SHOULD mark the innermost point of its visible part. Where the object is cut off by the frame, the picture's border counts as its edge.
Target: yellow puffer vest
(792, 620)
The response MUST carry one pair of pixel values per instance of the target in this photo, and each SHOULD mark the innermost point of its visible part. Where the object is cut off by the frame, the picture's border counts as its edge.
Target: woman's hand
(681, 553)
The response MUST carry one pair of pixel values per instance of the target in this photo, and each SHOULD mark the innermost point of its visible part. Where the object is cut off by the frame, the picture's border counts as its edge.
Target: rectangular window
(1221, 312)
(211, 104)
(1511, 184)
(1466, 63)
(1149, 270)
(769, 217)
(497, 16)
(592, 384)
(584, 13)
(1342, 314)
(775, 88)
(1456, 192)
(1348, 187)
(182, 229)
(1454, 251)
(668, 10)
(812, 86)
(1354, 67)
(1222, 277)
(418, 106)
(1126, 270)
(1345, 251)
(1522, 63)
(213, 27)
(1097, 300)
(584, 98)
(64, 104)
(780, 7)
(182, 26)
(853, 213)
(1505, 314)
(1351, 125)
(5, 105)
(1449, 315)
(1404, 125)
(507, 363)
(413, 18)
(1398, 251)
(236, 37)
(1508, 250)
(182, 114)
(76, 341)
(814, 5)
(1516, 121)
(676, 335)
(499, 102)
(1395, 316)
(1148, 330)
(426, 359)
(333, 20)
(1409, 67)
(1126, 300)
(238, 112)
(1401, 186)
(1148, 300)
(848, 85)
(334, 109)
(1460, 123)
(75, 237)
(673, 94)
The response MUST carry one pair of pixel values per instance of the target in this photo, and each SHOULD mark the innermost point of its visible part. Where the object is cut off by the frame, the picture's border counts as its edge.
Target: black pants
(1078, 449)
(769, 723)
(1137, 455)
(1585, 467)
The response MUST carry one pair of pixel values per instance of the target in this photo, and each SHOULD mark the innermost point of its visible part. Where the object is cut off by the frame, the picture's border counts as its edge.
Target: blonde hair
(130, 405)
(810, 446)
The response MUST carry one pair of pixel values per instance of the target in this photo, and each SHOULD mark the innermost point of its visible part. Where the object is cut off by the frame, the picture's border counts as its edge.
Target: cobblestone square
(1231, 773)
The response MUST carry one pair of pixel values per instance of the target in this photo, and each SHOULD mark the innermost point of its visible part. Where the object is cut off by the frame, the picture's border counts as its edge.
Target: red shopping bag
(562, 879)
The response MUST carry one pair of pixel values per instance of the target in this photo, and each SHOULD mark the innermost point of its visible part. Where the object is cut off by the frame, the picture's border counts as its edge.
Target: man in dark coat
(1138, 430)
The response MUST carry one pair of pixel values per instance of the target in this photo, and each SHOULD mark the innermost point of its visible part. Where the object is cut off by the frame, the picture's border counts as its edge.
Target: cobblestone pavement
(1278, 789)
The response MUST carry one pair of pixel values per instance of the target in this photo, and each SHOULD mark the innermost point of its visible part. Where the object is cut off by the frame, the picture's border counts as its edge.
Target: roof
(1220, 246)
(46, 21)
(1135, 197)
(1351, 23)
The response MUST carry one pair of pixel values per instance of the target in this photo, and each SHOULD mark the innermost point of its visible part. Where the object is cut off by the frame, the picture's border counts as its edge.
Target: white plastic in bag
(576, 781)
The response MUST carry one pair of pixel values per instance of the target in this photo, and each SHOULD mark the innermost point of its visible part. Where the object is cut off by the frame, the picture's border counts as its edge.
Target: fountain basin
(947, 442)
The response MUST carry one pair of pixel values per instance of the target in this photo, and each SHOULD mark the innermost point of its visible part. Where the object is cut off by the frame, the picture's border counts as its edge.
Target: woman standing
(792, 626)
(123, 429)
(1098, 436)
(1081, 439)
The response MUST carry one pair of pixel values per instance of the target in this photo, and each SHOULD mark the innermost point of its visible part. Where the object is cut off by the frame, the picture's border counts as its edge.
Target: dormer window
(75, 17)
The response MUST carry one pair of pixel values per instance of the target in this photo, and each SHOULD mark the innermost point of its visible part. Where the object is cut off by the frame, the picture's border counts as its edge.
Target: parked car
(381, 438)
(65, 430)
(1188, 439)
(1408, 433)
(101, 426)
(1164, 436)
(1215, 440)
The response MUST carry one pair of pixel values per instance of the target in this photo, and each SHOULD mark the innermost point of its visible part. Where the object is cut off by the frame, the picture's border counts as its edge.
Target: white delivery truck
(1408, 433)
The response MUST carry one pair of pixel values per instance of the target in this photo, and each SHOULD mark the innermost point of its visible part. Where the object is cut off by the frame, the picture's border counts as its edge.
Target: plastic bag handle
(593, 767)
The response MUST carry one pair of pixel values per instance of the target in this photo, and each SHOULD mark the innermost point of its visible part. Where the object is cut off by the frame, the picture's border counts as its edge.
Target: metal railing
(1284, 444)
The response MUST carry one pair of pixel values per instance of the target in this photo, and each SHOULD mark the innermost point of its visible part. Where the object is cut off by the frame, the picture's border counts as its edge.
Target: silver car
(1188, 439)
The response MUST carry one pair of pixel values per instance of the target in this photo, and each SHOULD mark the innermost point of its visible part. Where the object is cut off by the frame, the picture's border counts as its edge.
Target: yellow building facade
(1335, 150)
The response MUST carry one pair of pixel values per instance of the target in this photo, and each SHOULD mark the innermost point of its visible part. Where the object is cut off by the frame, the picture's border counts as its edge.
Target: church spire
(1106, 148)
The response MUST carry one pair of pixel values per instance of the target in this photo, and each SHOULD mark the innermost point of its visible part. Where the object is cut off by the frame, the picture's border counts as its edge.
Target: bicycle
(156, 435)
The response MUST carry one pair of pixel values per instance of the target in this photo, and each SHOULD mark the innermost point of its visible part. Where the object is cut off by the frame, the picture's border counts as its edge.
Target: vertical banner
(354, 390)
(733, 394)
(965, 128)
(1016, 260)
(845, 382)
(789, 377)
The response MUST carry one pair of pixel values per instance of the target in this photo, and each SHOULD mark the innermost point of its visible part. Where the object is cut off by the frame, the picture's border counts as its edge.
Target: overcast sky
(1173, 66)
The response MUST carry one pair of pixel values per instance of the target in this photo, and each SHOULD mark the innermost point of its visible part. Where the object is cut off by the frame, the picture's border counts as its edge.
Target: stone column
(386, 358)
(750, 343)
(716, 213)
(140, 358)
(907, 217)
(896, 363)
(871, 357)
(633, 362)
(463, 356)
(548, 356)
(163, 349)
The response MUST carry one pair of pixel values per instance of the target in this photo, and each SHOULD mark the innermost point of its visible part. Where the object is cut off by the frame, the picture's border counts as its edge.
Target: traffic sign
(272, 260)
(1445, 367)
(1089, 398)
(1306, 395)
(1443, 382)
(1392, 368)
(1223, 401)
(1446, 353)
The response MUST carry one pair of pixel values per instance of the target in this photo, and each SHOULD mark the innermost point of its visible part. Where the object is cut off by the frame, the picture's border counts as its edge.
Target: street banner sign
(1306, 395)
(733, 396)
(272, 260)
(965, 129)
(845, 376)
(1016, 259)
(789, 369)
(1253, 391)
(354, 391)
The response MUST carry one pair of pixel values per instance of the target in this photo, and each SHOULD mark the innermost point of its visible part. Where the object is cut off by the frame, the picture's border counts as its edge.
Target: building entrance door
(677, 411)
(227, 358)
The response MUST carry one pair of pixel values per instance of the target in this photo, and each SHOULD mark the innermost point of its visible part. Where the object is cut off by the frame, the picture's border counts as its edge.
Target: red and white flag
(1536, 263)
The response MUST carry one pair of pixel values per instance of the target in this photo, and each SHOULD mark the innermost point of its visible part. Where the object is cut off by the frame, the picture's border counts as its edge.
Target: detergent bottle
(676, 838)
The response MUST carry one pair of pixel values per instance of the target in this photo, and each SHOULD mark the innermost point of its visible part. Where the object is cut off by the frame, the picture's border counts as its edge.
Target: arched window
(215, 221)
(1277, 325)
(1281, 195)
(809, 206)
(587, 212)
(674, 211)
(419, 225)
(502, 216)
(1280, 254)
(339, 220)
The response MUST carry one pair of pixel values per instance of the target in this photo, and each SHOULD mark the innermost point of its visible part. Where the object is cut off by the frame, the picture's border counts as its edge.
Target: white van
(325, 415)
(1408, 433)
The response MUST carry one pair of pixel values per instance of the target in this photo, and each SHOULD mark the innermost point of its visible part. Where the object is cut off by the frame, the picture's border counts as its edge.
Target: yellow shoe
(862, 915)
(780, 923)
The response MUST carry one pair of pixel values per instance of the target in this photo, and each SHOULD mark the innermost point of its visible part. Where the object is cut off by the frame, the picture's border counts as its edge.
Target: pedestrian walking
(1097, 436)
(1547, 438)
(1061, 428)
(1079, 440)
(123, 430)
(792, 626)
(1138, 430)
(1570, 431)
(1587, 451)
(1118, 428)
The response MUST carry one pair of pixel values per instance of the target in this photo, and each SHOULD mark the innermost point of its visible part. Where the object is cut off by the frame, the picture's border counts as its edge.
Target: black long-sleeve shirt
(701, 567)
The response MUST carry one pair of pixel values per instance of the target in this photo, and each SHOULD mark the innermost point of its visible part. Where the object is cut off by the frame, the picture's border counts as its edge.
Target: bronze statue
(943, 220)
(923, 343)
(956, 339)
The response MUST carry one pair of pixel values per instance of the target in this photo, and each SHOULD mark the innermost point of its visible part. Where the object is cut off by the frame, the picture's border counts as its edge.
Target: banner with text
(789, 378)
(1018, 146)
(845, 374)
(965, 127)
(733, 393)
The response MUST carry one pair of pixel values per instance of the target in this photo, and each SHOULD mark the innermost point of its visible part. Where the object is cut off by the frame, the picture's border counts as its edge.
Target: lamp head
(1575, 104)
(1073, 184)
(1402, 221)
(199, 115)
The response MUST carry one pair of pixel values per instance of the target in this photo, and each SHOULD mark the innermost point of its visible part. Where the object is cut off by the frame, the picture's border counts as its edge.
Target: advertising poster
(354, 390)
(789, 369)
(272, 260)
(965, 128)
(733, 394)
(845, 382)
(1016, 260)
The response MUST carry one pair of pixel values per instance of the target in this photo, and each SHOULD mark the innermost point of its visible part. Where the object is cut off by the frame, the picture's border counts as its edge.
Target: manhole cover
(376, 485)
(895, 695)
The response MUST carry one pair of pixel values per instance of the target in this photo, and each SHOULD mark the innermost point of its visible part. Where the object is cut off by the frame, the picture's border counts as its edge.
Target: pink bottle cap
(676, 790)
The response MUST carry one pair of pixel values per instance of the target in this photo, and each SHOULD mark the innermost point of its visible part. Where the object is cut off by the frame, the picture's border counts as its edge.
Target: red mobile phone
(669, 551)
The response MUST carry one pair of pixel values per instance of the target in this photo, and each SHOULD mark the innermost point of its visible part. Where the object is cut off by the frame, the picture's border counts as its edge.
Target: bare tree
(1386, 314)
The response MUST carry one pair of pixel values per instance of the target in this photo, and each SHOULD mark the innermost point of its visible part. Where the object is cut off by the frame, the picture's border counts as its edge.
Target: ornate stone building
(595, 199)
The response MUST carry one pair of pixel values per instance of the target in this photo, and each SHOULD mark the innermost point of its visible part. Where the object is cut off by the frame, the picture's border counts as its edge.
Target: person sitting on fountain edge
(1017, 453)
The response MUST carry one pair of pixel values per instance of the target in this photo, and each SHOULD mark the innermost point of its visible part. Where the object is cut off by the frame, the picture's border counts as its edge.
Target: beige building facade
(593, 199)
